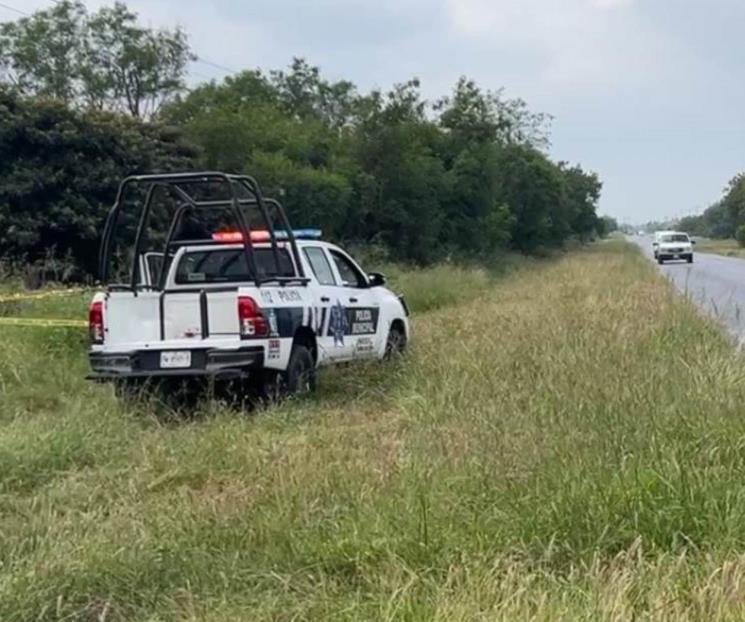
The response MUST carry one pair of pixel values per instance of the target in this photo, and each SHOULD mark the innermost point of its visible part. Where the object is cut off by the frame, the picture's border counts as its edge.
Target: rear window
(230, 265)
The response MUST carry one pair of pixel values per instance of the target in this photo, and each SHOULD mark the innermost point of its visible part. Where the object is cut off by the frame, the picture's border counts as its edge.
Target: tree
(740, 235)
(721, 219)
(581, 194)
(399, 180)
(489, 116)
(99, 61)
(532, 187)
(718, 221)
(60, 168)
(306, 95)
(607, 225)
(380, 168)
(246, 90)
(131, 68)
(42, 54)
(734, 200)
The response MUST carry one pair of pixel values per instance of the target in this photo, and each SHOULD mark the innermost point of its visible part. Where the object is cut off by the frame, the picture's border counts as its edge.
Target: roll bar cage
(174, 184)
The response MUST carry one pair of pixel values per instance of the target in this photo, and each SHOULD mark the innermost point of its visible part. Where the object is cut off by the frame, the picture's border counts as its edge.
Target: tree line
(723, 219)
(88, 99)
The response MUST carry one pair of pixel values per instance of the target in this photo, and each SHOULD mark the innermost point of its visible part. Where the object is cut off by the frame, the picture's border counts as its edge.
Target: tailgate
(176, 317)
(131, 318)
(200, 314)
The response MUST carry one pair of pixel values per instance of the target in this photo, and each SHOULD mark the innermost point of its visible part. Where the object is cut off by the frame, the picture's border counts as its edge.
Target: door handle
(325, 299)
(352, 300)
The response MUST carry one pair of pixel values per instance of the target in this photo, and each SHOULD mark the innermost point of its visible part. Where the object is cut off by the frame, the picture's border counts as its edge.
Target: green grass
(442, 285)
(566, 442)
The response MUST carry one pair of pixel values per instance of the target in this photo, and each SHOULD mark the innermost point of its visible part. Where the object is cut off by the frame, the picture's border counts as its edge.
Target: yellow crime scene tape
(42, 322)
(54, 293)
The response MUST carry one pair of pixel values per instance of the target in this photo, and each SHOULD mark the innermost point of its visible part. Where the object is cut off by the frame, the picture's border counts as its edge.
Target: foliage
(608, 225)
(104, 60)
(59, 171)
(740, 235)
(722, 219)
(733, 202)
(466, 175)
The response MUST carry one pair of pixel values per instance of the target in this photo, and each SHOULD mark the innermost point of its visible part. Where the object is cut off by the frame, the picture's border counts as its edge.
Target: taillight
(95, 322)
(251, 320)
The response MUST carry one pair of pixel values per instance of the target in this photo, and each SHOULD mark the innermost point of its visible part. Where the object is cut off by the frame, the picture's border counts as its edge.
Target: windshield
(230, 265)
(675, 237)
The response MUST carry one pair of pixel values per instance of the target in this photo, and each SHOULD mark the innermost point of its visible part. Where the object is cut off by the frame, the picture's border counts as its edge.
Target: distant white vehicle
(671, 245)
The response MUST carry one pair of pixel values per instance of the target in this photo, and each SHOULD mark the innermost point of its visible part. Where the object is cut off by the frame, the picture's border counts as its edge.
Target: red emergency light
(262, 235)
(237, 237)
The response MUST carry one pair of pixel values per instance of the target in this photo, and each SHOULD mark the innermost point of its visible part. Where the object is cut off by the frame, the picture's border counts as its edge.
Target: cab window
(320, 265)
(350, 275)
(230, 265)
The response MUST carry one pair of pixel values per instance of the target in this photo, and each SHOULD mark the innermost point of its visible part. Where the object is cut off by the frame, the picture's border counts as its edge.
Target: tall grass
(565, 443)
(727, 247)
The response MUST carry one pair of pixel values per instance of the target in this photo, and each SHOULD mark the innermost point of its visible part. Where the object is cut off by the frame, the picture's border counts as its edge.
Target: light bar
(262, 235)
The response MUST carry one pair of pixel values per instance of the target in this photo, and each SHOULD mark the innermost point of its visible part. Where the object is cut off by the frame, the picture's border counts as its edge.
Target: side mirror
(376, 279)
(655, 244)
(693, 241)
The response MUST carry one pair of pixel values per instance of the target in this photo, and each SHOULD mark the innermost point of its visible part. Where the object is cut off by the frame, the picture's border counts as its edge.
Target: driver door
(329, 319)
(360, 306)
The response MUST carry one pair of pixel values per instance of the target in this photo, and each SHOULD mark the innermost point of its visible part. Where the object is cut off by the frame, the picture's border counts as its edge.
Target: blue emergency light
(305, 234)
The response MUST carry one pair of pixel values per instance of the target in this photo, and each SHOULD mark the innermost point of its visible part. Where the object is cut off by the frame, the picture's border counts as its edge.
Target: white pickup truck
(670, 245)
(266, 305)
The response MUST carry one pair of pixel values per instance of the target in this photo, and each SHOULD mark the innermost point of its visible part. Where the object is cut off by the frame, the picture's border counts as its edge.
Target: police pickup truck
(269, 305)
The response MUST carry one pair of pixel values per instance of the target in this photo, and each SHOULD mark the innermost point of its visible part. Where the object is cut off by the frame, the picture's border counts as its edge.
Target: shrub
(740, 235)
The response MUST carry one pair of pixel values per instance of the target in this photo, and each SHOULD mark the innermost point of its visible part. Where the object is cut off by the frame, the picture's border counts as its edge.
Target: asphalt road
(715, 283)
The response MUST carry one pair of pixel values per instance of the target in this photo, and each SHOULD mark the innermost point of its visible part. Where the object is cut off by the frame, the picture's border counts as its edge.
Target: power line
(15, 10)
(200, 75)
(198, 59)
(204, 61)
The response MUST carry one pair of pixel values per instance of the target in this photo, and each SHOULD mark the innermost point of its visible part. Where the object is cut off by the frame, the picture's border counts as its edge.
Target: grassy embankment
(728, 248)
(567, 442)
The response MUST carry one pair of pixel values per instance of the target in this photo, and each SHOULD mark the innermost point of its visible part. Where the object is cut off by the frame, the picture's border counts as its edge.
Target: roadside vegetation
(723, 222)
(462, 175)
(728, 248)
(564, 443)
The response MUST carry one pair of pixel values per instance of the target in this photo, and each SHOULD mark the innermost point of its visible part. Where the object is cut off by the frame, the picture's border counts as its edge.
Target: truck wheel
(660, 260)
(395, 344)
(300, 377)
(690, 258)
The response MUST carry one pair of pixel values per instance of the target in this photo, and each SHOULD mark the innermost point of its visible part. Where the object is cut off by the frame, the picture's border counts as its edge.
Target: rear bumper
(204, 362)
(671, 256)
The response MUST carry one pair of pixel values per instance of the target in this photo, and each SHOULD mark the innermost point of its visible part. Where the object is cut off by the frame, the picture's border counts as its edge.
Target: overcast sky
(648, 93)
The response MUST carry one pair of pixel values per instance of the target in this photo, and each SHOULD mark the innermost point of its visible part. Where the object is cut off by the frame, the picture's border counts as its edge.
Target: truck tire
(690, 258)
(300, 377)
(395, 343)
(660, 260)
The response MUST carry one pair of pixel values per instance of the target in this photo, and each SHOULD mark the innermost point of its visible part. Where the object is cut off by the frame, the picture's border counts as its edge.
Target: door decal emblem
(338, 323)
(272, 319)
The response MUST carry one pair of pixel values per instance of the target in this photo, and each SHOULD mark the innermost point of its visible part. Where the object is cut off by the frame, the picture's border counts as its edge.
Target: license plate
(676, 256)
(175, 360)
